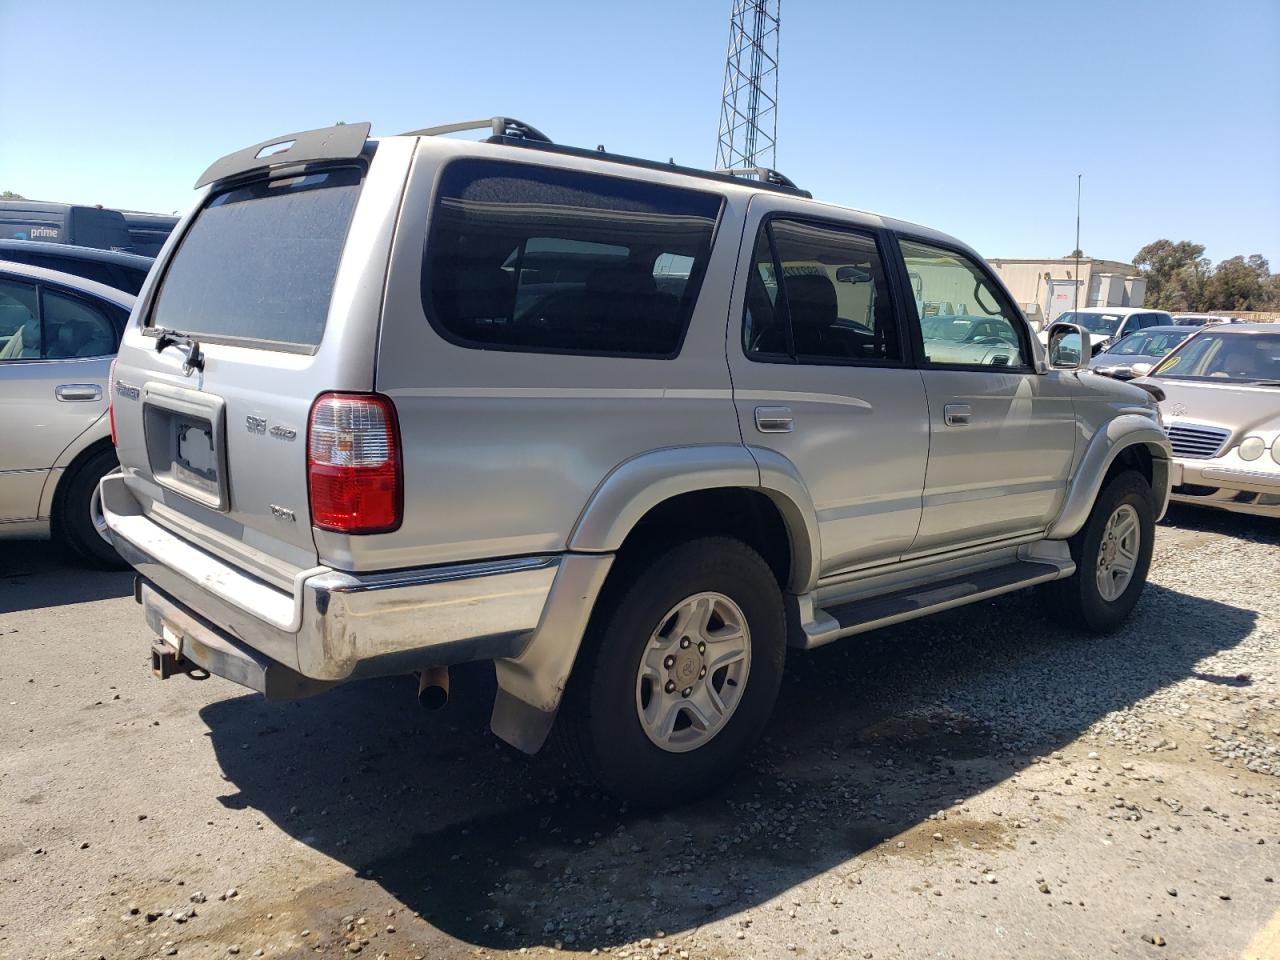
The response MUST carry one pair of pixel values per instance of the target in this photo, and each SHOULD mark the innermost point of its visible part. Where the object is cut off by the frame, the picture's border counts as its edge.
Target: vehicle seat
(811, 299)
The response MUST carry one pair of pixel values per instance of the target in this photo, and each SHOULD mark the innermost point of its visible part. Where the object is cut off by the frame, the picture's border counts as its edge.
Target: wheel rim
(1118, 552)
(693, 672)
(96, 516)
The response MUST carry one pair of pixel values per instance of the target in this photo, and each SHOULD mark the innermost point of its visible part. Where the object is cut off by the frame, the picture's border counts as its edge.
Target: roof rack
(763, 174)
(516, 133)
(501, 127)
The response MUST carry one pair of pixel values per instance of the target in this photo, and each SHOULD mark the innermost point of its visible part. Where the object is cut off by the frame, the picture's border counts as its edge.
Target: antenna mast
(749, 108)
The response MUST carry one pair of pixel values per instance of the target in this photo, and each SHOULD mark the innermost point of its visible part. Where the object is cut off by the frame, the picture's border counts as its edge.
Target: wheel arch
(60, 477)
(711, 486)
(1130, 441)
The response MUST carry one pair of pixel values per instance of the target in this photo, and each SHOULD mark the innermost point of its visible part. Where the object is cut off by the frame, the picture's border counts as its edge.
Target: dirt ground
(982, 784)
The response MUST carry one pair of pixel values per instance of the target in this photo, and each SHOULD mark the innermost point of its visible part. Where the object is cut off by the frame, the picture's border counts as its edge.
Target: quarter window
(541, 260)
(963, 320)
(73, 328)
(818, 294)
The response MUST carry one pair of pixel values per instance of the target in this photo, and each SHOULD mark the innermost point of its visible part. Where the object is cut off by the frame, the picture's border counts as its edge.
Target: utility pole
(1076, 287)
(749, 106)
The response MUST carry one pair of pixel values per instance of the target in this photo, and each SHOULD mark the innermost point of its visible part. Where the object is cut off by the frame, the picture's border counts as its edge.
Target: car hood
(1128, 360)
(1239, 408)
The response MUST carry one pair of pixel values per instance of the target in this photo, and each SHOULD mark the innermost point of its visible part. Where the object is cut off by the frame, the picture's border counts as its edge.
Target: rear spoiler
(343, 142)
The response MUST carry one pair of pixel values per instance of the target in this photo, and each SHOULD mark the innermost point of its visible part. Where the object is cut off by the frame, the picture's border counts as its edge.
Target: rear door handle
(78, 391)
(774, 419)
(956, 414)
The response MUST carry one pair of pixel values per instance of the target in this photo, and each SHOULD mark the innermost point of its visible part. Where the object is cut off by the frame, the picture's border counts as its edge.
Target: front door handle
(956, 414)
(774, 419)
(78, 391)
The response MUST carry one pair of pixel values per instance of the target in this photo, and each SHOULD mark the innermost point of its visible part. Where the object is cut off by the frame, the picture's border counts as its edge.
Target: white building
(1047, 287)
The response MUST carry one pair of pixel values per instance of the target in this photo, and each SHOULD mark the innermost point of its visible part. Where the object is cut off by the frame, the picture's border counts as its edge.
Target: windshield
(259, 262)
(1104, 323)
(1242, 358)
(1147, 344)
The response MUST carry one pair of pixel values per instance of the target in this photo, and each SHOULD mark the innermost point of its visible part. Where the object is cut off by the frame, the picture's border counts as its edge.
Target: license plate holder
(186, 443)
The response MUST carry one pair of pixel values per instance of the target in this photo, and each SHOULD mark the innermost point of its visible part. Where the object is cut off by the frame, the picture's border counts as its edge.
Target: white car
(1108, 324)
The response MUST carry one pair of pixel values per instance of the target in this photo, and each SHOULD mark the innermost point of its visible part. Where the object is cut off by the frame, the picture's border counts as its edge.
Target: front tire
(73, 518)
(678, 674)
(1112, 555)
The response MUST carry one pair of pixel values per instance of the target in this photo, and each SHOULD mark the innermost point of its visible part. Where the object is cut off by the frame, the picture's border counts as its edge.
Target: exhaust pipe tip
(433, 688)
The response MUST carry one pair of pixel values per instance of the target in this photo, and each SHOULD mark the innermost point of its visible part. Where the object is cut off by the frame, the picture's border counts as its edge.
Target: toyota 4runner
(625, 429)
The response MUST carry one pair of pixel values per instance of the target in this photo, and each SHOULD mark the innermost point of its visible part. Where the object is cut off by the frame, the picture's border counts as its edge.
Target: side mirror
(1141, 369)
(1069, 347)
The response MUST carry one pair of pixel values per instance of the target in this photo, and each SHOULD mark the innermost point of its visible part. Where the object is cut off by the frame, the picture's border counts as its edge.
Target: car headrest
(623, 280)
(811, 299)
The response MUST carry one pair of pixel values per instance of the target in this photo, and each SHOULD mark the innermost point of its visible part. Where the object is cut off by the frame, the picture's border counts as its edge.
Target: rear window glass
(259, 262)
(557, 261)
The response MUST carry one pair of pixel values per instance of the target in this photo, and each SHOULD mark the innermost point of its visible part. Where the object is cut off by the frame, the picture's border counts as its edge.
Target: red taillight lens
(353, 464)
(111, 401)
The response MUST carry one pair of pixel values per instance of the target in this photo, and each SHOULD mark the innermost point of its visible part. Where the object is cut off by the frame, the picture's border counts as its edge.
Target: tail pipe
(433, 687)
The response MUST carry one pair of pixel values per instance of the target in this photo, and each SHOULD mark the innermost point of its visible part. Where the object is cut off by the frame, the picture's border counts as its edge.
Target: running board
(860, 616)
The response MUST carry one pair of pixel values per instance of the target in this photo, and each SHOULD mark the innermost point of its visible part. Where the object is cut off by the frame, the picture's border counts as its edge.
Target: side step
(861, 616)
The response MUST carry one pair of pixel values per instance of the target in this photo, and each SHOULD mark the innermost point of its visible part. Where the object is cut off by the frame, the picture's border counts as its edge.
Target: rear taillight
(353, 463)
(111, 401)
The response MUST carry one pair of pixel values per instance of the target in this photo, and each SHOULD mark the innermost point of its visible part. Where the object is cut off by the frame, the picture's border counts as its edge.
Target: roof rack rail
(500, 126)
(763, 174)
(778, 182)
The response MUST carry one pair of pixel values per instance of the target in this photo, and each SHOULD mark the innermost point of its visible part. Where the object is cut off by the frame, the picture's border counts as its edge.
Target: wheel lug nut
(686, 691)
(702, 673)
(702, 648)
(684, 643)
(669, 662)
(671, 686)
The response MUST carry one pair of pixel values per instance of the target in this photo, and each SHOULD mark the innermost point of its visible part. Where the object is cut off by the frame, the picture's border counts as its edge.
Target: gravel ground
(979, 784)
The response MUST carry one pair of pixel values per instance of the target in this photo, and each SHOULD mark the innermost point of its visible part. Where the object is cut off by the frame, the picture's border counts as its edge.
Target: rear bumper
(1210, 484)
(333, 625)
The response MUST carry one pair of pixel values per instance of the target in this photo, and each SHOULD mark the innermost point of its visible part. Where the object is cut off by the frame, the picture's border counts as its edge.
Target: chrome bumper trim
(336, 624)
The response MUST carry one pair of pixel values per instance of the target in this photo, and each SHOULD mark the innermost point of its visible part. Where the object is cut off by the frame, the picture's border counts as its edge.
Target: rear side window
(258, 263)
(556, 261)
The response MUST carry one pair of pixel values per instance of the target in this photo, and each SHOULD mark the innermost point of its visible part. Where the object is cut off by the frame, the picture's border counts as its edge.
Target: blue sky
(971, 117)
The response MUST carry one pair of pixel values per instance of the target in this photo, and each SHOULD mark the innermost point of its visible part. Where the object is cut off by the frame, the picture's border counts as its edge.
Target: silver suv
(625, 429)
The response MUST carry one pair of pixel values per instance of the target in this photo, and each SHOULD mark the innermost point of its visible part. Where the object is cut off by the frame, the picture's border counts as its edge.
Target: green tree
(10, 195)
(1177, 274)
(1240, 284)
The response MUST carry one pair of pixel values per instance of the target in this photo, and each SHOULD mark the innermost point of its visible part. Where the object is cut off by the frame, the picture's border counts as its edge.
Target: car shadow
(1208, 520)
(870, 738)
(38, 573)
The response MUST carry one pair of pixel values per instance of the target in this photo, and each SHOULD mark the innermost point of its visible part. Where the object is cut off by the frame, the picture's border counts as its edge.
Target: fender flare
(1121, 433)
(638, 485)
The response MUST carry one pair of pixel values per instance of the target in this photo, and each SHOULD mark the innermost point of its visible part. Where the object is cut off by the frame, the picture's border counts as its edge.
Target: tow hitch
(164, 660)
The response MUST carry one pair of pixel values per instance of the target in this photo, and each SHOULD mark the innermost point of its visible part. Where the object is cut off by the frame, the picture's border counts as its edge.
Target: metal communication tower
(749, 110)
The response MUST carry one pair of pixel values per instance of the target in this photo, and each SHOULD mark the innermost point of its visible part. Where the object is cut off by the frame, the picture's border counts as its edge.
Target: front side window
(818, 294)
(963, 321)
(19, 321)
(542, 260)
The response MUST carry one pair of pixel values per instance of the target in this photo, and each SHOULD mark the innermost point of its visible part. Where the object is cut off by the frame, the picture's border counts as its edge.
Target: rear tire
(678, 673)
(1112, 555)
(73, 521)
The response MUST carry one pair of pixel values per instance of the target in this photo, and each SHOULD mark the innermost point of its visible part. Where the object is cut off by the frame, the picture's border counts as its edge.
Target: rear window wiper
(176, 338)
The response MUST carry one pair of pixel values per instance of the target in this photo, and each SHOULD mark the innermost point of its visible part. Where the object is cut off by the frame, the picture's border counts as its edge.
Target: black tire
(72, 523)
(1078, 600)
(599, 725)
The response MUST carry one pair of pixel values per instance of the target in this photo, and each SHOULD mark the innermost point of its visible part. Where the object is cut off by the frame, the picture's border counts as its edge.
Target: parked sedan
(124, 271)
(1135, 355)
(1222, 414)
(58, 335)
